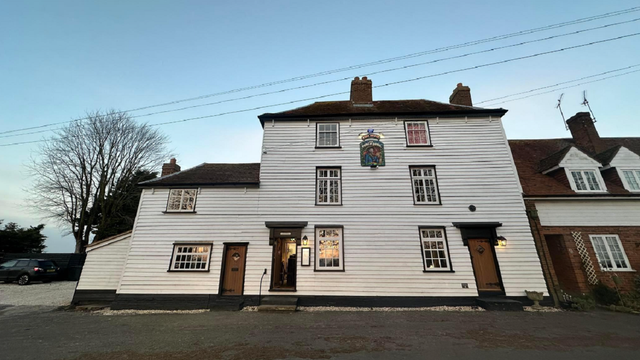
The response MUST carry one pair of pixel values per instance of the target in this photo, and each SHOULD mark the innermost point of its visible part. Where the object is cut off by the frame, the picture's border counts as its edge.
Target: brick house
(583, 202)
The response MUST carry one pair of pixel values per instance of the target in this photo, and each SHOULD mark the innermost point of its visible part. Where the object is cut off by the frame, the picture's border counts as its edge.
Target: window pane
(197, 258)
(424, 185)
(616, 252)
(591, 180)
(601, 252)
(417, 133)
(577, 178)
(631, 180)
(434, 249)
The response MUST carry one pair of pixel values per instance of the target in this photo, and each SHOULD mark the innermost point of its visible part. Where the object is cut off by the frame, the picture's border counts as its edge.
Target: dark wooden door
(484, 266)
(233, 272)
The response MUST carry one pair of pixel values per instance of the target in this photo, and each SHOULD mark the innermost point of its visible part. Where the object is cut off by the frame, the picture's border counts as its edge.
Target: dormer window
(585, 181)
(631, 179)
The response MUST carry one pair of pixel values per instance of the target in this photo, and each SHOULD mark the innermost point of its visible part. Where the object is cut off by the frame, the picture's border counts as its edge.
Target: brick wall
(564, 268)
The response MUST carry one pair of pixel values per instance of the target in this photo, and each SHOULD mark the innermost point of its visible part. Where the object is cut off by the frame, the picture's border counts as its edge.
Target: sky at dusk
(60, 59)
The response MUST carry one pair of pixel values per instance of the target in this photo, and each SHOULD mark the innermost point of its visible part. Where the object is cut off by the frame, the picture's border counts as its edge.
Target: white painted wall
(104, 265)
(382, 254)
(614, 212)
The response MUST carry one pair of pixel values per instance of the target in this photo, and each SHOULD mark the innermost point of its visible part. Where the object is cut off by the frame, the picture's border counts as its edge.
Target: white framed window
(586, 181)
(425, 185)
(631, 179)
(435, 251)
(417, 133)
(328, 186)
(190, 257)
(327, 135)
(610, 252)
(329, 249)
(182, 200)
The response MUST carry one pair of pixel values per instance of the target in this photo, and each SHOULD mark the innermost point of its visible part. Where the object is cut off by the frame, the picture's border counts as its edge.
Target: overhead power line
(377, 86)
(554, 85)
(349, 77)
(562, 88)
(363, 65)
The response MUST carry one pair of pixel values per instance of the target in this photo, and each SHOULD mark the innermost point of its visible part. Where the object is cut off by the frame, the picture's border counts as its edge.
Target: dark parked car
(25, 271)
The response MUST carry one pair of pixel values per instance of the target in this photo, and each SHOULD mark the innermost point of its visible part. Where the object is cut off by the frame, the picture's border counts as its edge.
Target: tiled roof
(389, 107)
(211, 175)
(605, 157)
(531, 156)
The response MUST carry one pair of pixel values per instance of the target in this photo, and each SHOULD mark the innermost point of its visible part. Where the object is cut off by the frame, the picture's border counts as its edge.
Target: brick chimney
(461, 96)
(170, 167)
(361, 91)
(584, 133)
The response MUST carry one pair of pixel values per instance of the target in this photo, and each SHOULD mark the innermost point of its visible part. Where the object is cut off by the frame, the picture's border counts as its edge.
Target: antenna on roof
(585, 102)
(561, 113)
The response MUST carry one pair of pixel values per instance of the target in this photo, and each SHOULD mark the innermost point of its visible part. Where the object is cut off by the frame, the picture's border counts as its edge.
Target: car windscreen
(9, 263)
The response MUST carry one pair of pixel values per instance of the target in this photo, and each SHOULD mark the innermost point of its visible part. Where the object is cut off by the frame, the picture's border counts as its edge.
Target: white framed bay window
(182, 200)
(190, 257)
(586, 180)
(328, 186)
(329, 246)
(610, 253)
(631, 179)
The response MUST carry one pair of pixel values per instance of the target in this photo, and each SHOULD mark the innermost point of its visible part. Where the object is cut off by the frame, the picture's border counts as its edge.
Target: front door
(233, 272)
(284, 264)
(484, 267)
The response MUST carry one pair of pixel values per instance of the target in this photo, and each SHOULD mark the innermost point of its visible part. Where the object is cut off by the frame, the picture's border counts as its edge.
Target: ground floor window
(190, 257)
(329, 249)
(610, 252)
(434, 249)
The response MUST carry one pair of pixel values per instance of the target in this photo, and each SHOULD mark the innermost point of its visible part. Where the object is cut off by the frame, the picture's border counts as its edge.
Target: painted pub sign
(371, 149)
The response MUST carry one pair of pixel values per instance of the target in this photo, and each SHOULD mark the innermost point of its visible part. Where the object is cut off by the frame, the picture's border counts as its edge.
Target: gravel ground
(57, 293)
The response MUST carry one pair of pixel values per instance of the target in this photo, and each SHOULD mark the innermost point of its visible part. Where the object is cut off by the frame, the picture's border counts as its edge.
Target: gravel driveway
(57, 293)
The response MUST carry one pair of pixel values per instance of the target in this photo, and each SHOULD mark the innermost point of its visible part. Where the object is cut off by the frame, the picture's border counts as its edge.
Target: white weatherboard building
(359, 202)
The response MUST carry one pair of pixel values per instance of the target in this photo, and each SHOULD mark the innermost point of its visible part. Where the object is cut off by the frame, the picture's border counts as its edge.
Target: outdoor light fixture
(502, 241)
(374, 166)
(305, 241)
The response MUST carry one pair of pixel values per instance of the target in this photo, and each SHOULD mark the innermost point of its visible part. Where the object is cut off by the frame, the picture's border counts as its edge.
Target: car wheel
(24, 279)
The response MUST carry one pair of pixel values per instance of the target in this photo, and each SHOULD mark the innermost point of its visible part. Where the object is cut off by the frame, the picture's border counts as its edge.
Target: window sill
(438, 271)
(419, 146)
(327, 271)
(188, 271)
(320, 204)
(179, 212)
(617, 270)
(328, 147)
(283, 290)
(427, 204)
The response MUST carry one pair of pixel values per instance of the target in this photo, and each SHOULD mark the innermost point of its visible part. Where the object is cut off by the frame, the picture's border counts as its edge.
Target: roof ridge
(172, 174)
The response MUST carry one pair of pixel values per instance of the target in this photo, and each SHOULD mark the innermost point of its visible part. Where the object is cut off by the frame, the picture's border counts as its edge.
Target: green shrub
(605, 295)
(583, 302)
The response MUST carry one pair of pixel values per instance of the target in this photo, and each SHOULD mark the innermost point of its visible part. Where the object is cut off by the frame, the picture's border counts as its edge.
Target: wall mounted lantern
(305, 241)
(501, 241)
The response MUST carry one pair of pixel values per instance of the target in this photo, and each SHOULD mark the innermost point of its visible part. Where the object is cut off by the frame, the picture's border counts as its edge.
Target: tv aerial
(585, 102)
(559, 107)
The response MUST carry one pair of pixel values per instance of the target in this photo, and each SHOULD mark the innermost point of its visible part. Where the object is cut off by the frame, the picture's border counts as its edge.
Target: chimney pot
(361, 91)
(170, 167)
(461, 96)
(584, 133)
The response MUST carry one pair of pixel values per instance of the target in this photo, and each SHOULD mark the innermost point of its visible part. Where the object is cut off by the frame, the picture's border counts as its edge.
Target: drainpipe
(260, 291)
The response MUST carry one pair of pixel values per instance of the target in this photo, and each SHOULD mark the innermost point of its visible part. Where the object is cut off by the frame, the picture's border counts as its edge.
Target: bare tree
(81, 165)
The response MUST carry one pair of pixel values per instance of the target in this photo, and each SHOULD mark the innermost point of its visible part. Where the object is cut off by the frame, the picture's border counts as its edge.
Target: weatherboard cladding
(382, 253)
(534, 156)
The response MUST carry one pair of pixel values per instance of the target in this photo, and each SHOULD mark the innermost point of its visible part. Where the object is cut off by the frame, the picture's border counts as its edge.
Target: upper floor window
(417, 133)
(190, 257)
(631, 179)
(329, 249)
(328, 186)
(328, 135)
(435, 249)
(425, 185)
(610, 253)
(585, 180)
(182, 200)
